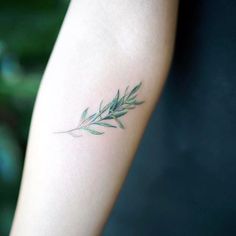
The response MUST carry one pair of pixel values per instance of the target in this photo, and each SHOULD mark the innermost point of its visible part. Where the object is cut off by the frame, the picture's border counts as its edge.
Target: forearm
(70, 183)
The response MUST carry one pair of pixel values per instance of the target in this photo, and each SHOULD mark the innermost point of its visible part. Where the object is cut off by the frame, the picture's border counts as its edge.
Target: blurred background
(28, 30)
(182, 181)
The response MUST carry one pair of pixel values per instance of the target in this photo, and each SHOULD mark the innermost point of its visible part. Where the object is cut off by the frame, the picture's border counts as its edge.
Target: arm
(70, 183)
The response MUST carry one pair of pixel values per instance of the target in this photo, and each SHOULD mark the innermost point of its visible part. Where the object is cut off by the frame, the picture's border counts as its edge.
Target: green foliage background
(28, 30)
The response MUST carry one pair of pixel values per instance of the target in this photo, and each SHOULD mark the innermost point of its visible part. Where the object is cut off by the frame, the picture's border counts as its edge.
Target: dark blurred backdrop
(28, 30)
(182, 182)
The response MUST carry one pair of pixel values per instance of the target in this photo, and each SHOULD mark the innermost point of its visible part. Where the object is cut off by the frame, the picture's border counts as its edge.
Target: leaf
(132, 97)
(135, 89)
(121, 108)
(92, 131)
(101, 110)
(138, 102)
(130, 107)
(84, 114)
(119, 123)
(120, 113)
(104, 124)
(117, 95)
(126, 90)
(109, 117)
(100, 106)
(115, 101)
(113, 105)
(120, 102)
(131, 102)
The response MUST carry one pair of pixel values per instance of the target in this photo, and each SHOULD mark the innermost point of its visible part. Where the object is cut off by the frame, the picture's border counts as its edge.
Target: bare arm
(77, 158)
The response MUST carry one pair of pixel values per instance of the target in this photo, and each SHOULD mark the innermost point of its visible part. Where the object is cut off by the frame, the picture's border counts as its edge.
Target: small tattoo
(111, 112)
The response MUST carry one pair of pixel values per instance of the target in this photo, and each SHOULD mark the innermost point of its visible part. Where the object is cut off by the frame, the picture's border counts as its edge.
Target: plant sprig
(114, 110)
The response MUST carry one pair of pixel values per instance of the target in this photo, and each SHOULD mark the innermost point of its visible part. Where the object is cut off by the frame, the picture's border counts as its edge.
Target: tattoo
(118, 107)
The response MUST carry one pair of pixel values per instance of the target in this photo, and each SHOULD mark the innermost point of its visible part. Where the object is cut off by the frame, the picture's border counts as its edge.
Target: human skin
(70, 184)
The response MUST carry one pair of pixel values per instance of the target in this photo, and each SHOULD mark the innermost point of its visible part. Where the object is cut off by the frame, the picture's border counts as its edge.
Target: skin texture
(70, 184)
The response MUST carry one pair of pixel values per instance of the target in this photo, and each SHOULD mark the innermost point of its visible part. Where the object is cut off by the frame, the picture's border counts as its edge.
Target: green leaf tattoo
(112, 111)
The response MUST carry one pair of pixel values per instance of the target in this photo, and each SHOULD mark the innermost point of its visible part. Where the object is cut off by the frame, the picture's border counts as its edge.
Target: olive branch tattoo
(118, 107)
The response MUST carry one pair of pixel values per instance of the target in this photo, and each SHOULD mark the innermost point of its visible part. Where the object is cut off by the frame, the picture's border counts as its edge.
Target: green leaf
(131, 102)
(138, 102)
(120, 102)
(117, 95)
(92, 131)
(126, 90)
(132, 97)
(101, 110)
(119, 123)
(120, 113)
(115, 101)
(109, 117)
(113, 105)
(100, 106)
(135, 89)
(104, 124)
(130, 107)
(84, 114)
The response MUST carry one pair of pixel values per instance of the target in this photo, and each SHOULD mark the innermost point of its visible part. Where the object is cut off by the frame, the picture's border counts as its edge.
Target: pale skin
(70, 184)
